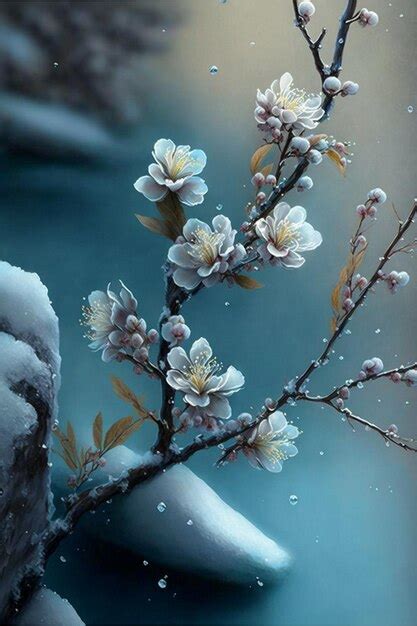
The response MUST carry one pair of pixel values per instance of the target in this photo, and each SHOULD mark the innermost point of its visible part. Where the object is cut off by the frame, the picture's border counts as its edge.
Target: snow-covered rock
(196, 532)
(47, 608)
(29, 380)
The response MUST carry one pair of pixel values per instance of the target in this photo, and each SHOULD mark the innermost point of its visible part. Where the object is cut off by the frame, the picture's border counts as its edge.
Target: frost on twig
(29, 379)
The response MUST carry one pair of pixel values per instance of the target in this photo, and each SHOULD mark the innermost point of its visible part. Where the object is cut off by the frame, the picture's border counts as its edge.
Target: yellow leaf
(68, 445)
(98, 431)
(68, 460)
(259, 156)
(267, 170)
(157, 226)
(337, 160)
(120, 431)
(246, 282)
(315, 139)
(126, 394)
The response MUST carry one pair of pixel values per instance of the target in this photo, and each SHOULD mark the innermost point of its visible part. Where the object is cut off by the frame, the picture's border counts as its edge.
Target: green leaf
(246, 282)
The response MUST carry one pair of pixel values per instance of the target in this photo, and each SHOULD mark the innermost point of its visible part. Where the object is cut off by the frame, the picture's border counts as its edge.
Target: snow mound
(196, 531)
(47, 608)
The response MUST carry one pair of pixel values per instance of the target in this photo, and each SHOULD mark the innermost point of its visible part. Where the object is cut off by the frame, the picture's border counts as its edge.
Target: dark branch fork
(166, 453)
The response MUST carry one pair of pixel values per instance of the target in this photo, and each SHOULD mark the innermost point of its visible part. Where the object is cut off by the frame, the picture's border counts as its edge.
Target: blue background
(353, 531)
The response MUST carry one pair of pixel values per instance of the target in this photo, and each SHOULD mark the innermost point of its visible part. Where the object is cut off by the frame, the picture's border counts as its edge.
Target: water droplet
(293, 499)
(341, 358)
(219, 207)
(377, 331)
(56, 64)
(252, 43)
(260, 583)
(161, 507)
(213, 69)
(162, 583)
(341, 40)
(321, 453)
(227, 304)
(62, 559)
(410, 108)
(145, 563)
(190, 522)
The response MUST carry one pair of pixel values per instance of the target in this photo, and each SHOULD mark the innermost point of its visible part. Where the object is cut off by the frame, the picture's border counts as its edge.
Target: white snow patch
(47, 608)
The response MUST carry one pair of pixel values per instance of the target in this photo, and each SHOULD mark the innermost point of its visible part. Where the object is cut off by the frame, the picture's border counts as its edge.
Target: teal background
(353, 532)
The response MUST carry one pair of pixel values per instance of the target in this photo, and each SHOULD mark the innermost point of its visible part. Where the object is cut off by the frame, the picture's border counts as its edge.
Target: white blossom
(175, 330)
(371, 367)
(299, 145)
(174, 170)
(114, 326)
(282, 104)
(197, 377)
(286, 234)
(205, 254)
(270, 443)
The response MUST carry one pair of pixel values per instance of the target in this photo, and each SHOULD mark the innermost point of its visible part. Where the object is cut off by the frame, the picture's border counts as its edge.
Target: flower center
(285, 235)
(206, 245)
(292, 100)
(97, 318)
(199, 373)
(180, 160)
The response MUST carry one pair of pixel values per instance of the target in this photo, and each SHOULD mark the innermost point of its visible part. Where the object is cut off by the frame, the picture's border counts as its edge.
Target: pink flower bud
(348, 304)
(377, 195)
(306, 10)
(260, 197)
(361, 210)
(153, 335)
(271, 180)
(395, 377)
(372, 211)
(361, 241)
(344, 393)
(258, 180)
(349, 88)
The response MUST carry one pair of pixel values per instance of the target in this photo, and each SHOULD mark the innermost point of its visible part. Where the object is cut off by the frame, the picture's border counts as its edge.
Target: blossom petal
(193, 190)
(297, 215)
(163, 151)
(289, 449)
(219, 407)
(128, 299)
(179, 254)
(201, 351)
(192, 225)
(186, 278)
(277, 421)
(195, 163)
(285, 82)
(281, 211)
(157, 173)
(292, 260)
(150, 188)
(291, 432)
(196, 399)
(178, 359)
(310, 239)
(98, 298)
(232, 381)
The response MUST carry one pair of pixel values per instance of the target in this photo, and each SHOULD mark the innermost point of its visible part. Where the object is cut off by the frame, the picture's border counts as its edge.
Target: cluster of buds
(267, 116)
(409, 378)
(192, 419)
(368, 18)
(306, 11)
(115, 328)
(259, 180)
(371, 367)
(333, 86)
(394, 280)
(375, 197)
(175, 330)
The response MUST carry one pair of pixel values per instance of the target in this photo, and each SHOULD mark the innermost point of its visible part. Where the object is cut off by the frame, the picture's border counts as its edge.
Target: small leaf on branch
(156, 226)
(98, 431)
(246, 282)
(173, 214)
(126, 394)
(315, 139)
(120, 431)
(267, 170)
(337, 160)
(259, 156)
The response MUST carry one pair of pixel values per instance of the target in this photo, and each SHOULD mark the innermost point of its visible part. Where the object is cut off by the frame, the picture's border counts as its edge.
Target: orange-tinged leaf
(259, 156)
(246, 282)
(120, 431)
(172, 212)
(315, 139)
(126, 394)
(98, 431)
(337, 160)
(267, 170)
